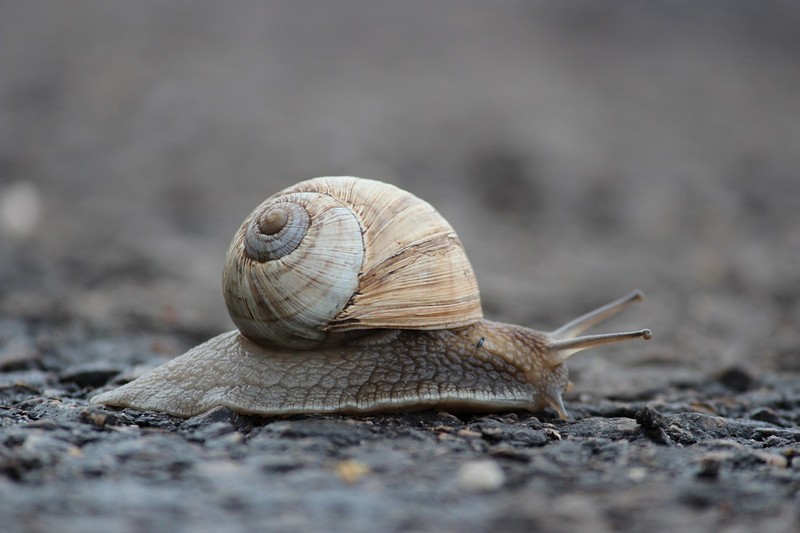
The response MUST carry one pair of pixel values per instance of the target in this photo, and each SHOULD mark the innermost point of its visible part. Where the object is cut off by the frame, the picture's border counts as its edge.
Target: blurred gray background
(580, 149)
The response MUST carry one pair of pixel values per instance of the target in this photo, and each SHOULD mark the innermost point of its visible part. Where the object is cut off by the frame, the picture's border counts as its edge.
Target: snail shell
(340, 254)
(353, 296)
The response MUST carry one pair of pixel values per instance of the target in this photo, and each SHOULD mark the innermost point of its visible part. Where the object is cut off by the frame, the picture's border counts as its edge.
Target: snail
(354, 296)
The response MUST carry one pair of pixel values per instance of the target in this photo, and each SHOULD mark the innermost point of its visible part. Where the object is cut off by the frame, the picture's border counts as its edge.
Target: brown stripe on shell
(432, 292)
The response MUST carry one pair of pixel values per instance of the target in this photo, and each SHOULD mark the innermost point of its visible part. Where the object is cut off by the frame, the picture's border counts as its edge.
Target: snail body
(353, 296)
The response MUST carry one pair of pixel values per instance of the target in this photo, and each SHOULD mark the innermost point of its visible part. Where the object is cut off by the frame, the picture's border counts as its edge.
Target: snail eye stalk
(566, 342)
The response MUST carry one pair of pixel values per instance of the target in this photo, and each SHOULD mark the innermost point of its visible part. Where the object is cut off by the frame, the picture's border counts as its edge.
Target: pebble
(351, 471)
(480, 476)
(20, 209)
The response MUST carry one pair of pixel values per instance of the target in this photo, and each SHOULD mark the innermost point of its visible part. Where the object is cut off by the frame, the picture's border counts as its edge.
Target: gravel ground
(579, 150)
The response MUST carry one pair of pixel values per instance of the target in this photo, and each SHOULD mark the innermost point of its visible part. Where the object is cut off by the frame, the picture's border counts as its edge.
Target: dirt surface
(580, 150)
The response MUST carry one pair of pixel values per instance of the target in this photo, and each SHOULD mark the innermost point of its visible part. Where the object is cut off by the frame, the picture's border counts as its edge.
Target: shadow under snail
(354, 296)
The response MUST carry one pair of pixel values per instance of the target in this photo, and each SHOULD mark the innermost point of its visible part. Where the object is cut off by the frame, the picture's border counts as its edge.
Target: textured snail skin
(485, 367)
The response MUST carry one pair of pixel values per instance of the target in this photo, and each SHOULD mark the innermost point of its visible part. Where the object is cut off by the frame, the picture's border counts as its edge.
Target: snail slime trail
(341, 308)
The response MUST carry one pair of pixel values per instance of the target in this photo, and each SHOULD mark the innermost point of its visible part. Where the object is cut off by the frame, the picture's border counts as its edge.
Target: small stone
(20, 209)
(653, 424)
(773, 459)
(552, 433)
(765, 414)
(98, 419)
(507, 452)
(637, 473)
(737, 379)
(481, 476)
(709, 469)
(351, 471)
(221, 414)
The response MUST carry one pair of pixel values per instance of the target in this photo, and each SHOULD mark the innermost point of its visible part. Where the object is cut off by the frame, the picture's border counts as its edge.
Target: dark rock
(217, 415)
(689, 428)
(514, 435)
(765, 414)
(737, 379)
(90, 374)
(604, 428)
(653, 424)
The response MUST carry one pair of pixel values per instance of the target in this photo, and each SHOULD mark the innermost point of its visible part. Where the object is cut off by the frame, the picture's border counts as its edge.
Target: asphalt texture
(580, 151)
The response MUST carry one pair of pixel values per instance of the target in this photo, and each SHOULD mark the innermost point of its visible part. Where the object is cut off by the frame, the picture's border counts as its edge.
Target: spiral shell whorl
(275, 231)
(288, 299)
